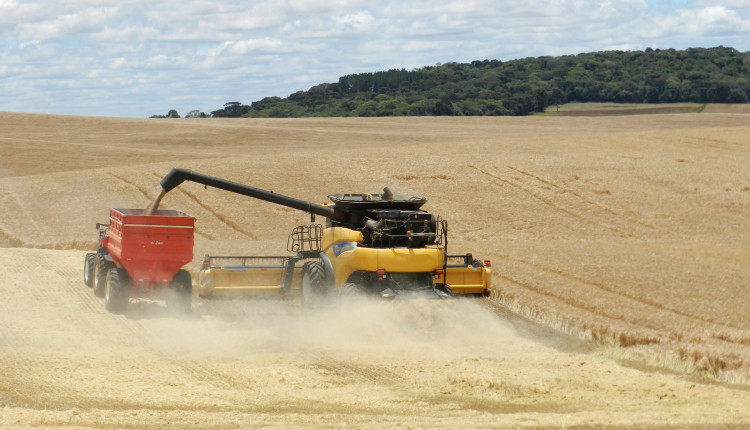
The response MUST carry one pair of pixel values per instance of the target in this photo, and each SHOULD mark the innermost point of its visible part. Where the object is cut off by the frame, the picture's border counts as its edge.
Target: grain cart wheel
(314, 284)
(88, 269)
(116, 291)
(101, 267)
(180, 293)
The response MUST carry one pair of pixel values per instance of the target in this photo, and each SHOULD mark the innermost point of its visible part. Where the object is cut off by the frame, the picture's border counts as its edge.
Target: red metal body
(151, 248)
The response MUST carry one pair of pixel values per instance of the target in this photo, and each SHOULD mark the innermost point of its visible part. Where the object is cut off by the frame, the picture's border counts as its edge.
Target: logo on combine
(343, 247)
(157, 242)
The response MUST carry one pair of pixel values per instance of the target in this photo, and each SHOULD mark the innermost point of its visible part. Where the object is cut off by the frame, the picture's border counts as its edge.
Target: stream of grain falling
(155, 204)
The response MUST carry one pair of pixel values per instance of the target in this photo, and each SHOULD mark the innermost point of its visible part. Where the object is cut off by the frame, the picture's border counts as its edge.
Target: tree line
(520, 87)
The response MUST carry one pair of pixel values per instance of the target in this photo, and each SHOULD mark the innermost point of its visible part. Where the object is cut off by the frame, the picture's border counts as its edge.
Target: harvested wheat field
(620, 248)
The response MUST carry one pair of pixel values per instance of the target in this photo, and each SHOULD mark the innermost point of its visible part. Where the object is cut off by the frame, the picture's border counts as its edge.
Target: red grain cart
(142, 256)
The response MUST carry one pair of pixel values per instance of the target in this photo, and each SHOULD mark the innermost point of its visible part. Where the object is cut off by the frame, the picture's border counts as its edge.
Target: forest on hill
(520, 87)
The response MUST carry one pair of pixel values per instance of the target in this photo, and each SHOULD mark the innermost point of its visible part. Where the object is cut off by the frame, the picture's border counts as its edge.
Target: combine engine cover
(399, 229)
(387, 220)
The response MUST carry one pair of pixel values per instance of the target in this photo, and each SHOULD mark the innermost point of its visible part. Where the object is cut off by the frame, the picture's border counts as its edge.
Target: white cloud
(118, 63)
(702, 22)
(266, 44)
(133, 57)
(730, 4)
(358, 22)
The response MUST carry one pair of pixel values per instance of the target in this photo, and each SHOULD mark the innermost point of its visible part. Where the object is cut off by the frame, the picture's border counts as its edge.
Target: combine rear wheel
(116, 291)
(351, 293)
(315, 284)
(88, 269)
(101, 267)
(180, 293)
(350, 289)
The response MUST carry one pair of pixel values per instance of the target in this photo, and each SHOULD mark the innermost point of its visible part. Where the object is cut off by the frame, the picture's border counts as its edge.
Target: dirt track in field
(631, 231)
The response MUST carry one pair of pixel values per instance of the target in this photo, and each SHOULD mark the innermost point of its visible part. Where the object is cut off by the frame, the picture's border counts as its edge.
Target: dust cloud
(413, 328)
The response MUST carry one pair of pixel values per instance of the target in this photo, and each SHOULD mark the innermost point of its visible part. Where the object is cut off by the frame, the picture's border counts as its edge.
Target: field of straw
(620, 247)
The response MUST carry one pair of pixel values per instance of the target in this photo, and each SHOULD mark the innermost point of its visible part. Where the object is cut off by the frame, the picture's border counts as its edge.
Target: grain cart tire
(180, 293)
(314, 284)
(101, 267)
(88, 269)
(116, 291)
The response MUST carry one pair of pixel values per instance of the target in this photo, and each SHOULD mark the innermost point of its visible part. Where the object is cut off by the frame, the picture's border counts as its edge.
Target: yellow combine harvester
(373, 244)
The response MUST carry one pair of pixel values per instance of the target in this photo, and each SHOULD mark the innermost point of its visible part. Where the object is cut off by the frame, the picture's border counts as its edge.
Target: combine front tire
(116, 291)
(88, 269)
(180, 293)
(315, 284)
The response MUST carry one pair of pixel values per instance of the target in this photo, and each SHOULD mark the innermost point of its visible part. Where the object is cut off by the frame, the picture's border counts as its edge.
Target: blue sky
(135, 58)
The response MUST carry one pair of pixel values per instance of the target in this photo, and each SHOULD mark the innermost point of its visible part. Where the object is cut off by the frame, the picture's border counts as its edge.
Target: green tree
(443, 107)
(231, 110)
(520, 87)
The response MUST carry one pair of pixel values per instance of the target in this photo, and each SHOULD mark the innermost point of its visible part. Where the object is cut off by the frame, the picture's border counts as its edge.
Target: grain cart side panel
(151, 248)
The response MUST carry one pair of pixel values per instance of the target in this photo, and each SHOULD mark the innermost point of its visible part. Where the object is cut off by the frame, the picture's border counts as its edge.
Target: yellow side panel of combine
(390, 259)
(333, 235)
